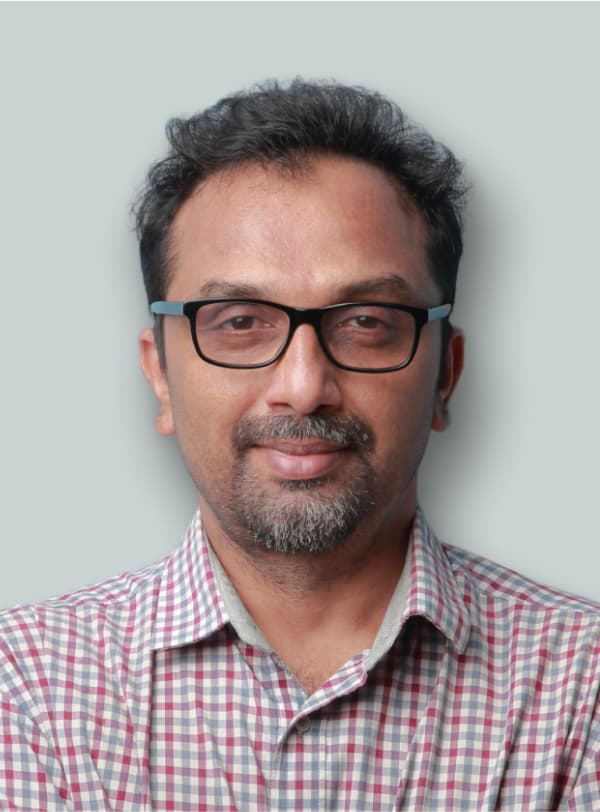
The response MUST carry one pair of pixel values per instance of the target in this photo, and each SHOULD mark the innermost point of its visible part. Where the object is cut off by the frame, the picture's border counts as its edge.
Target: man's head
(286, 126)
(304, 197)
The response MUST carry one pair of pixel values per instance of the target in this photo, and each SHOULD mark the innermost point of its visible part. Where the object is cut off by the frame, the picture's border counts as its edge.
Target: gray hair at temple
(284, 125)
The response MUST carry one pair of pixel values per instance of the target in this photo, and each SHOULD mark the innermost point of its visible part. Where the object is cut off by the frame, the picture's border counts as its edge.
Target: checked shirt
(139, 694)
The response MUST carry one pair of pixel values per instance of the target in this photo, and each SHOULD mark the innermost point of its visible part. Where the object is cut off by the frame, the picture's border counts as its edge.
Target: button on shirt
(155, 690)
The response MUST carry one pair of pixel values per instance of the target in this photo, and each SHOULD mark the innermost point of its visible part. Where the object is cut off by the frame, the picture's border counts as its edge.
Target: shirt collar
(190, 606)
(434, 592)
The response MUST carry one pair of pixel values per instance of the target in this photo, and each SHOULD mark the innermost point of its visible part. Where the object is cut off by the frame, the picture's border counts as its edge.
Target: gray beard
(301, 518)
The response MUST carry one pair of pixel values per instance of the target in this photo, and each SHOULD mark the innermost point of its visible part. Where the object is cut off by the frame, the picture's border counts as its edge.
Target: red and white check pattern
(137, 694)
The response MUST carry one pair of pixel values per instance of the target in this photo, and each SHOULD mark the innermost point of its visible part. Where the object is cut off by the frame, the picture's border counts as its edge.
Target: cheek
(207, 406)
(402, 411)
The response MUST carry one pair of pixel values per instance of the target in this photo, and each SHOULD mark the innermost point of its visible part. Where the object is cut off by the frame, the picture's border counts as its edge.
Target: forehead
(298, 238)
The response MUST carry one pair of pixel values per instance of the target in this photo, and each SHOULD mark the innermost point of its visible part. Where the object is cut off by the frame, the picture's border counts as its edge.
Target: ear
(449, 374)
(156, 376)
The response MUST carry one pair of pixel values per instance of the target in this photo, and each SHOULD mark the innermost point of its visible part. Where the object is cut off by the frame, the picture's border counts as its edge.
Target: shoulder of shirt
(39, 642)
(36, 638)
(103, 598)
(492, 581)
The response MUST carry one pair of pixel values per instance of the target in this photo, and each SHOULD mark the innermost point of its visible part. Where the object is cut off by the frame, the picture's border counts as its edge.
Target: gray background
(88, 488)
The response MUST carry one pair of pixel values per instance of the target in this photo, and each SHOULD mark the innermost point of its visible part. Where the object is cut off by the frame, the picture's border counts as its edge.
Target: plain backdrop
(88, 488)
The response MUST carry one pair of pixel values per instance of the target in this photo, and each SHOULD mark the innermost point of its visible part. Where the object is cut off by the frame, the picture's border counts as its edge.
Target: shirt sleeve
(31, 775)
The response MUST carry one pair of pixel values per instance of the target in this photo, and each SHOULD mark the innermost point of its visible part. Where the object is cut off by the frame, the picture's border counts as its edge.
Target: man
(311, 645)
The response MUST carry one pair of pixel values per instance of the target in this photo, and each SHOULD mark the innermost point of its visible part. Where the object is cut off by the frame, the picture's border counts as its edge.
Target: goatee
(326, 512)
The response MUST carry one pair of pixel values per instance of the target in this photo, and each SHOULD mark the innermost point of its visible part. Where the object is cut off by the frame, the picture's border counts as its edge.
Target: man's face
(300, 455)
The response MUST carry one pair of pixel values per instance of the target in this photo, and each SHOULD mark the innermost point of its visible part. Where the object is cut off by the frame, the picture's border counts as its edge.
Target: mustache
(346, 430)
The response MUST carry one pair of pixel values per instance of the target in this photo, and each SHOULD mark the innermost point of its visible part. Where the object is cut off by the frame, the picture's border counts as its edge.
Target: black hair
(285, 125)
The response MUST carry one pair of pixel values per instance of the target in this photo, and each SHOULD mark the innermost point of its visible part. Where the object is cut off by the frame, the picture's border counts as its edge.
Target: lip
(308, 459)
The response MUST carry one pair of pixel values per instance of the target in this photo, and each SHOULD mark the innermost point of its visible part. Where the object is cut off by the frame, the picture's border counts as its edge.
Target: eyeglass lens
(251, 333)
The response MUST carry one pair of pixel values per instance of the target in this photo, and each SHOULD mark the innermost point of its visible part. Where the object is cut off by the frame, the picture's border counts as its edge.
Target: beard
(310, 515)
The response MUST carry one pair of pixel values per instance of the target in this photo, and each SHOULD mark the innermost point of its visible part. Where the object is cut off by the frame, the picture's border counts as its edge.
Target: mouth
(297, 460)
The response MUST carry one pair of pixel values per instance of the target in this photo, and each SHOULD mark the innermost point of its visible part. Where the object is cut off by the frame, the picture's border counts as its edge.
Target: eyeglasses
(357, 336)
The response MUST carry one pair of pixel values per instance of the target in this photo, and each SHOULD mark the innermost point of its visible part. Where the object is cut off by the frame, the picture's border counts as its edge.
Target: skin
(337, 232)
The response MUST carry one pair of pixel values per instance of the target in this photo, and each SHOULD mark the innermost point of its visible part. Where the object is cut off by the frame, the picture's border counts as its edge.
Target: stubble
(303, 516)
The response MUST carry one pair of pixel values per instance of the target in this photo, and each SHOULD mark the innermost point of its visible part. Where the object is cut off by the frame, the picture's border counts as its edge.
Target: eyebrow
(216, 288)
(392, 285)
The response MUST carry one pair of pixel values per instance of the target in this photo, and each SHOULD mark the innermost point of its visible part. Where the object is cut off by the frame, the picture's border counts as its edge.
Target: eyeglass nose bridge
(306, 315)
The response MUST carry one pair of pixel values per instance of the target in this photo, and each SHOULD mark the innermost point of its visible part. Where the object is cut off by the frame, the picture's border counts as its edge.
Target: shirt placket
(301, 772)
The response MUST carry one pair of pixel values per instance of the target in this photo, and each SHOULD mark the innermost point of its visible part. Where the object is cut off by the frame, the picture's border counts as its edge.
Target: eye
(366, 322)
(369, 326)
(237, 317)
(241, 323)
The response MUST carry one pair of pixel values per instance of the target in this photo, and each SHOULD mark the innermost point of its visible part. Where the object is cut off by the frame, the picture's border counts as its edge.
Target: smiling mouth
(296, 460)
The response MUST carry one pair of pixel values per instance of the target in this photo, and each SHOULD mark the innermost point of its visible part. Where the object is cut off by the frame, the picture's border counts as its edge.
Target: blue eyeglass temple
(439, 312)
(176, 309)
(167, 308)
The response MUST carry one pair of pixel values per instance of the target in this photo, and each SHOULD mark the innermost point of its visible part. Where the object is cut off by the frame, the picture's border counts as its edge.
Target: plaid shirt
(138, 694)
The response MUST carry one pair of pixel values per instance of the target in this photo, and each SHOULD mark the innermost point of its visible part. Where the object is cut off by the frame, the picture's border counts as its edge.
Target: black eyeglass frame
(298, 316)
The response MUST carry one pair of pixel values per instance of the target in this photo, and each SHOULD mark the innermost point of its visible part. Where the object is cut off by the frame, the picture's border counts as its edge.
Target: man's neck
(317, 610)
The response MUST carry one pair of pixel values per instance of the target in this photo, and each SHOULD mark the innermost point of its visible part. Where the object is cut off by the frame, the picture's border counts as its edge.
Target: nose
(304, 380)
